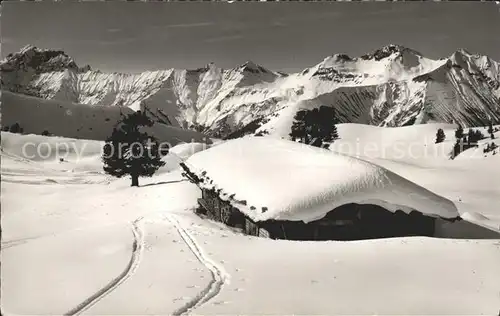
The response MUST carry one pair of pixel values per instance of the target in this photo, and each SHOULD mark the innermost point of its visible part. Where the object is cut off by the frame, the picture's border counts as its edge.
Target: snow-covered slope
(392, 86)
(411, 152)
(76, 154)
(66, 119)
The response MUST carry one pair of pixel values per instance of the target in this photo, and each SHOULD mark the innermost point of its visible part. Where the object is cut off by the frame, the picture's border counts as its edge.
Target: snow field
(66, 242)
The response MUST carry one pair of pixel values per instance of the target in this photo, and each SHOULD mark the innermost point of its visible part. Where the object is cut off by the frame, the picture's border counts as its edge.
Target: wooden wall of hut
(215, 208)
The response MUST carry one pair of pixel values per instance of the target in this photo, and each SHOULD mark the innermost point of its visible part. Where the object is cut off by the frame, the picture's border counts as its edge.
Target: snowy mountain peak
(341, 57)
(40, 60)
(389, 50)
(463, 51)
(459, 58)
(27, 48)
(211, 65)
(480, 66)
(250, 66)
(30, 52)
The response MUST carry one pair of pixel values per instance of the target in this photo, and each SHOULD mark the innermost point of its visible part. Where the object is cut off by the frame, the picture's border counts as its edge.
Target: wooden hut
(285, 190)
(348, 222)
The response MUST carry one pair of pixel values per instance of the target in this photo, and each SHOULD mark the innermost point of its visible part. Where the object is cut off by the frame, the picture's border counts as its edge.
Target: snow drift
(179, 153)
(277, 179)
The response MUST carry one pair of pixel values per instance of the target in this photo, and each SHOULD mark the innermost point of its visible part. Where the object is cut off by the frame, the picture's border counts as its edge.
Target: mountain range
(391, 86)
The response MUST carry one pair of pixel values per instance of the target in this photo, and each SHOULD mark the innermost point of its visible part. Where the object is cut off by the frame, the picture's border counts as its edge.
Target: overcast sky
(136, 36)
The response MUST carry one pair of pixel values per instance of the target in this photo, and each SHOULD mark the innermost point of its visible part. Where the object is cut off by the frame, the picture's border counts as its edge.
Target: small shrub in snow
(490, 147)
(261, 133)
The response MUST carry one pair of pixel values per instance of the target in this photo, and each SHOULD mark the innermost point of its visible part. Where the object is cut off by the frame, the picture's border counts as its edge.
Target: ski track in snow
(131, 268)
(15, 242)
(219, 275)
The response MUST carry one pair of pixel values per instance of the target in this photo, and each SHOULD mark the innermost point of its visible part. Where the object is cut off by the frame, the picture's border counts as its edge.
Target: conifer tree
(474, 136)
(440, 136)
(16, 128)
(471, 136)
(129, 151)
(459, 132)
(315, 127)
(478, 135)
(456, 149)
(327, 121)
(490, 130)
(299, 127)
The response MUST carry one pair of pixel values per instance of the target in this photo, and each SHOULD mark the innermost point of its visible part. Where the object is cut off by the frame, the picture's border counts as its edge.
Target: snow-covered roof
(268, 178)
